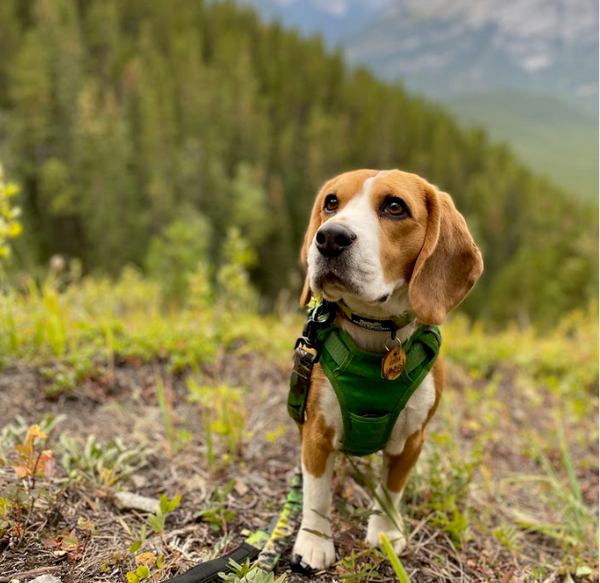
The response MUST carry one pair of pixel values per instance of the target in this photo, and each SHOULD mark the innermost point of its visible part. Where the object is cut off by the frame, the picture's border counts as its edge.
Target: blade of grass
(394, 560)
(569, 467)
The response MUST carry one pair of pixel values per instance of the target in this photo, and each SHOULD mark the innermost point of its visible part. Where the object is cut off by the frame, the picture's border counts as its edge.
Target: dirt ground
(124, 404)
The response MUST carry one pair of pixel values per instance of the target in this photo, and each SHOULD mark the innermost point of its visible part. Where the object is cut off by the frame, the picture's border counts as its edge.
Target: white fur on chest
(411, 418)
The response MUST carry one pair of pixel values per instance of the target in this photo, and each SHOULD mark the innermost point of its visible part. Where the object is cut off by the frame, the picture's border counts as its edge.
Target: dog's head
(388, 241)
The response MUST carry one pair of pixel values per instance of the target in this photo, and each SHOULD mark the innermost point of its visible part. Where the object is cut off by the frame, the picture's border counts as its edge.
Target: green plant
(443, 477)
(139, 540)
(234, 291)
(357, 567)
(102, 464)
(157, 521)
(575, 525)
(14, 432)
(247, 573)
(174, 255)
(508, 536)
(224, 414)
(157, 524)
(142, 572)
(34, 469)
(215, 512)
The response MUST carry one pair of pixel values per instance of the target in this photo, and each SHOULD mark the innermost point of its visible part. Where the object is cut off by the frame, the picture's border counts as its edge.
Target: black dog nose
(333, 238)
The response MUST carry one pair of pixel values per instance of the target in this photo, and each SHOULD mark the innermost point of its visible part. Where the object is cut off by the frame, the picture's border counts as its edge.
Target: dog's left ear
(449, 262)
(313, 226)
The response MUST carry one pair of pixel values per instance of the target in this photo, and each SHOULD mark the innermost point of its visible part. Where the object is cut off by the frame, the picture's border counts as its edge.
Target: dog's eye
(331, 203)
(395, 207)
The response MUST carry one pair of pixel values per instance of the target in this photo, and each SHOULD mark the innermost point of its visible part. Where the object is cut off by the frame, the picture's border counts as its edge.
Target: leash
(266, 546)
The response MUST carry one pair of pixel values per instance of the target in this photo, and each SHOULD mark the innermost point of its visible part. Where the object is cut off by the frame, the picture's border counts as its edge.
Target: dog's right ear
(313, 226)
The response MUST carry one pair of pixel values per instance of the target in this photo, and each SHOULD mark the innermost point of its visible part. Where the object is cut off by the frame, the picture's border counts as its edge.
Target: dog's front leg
(316, 550)
(388, 520)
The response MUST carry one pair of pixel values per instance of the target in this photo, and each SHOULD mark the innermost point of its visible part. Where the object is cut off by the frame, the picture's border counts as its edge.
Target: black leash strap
(210, 570)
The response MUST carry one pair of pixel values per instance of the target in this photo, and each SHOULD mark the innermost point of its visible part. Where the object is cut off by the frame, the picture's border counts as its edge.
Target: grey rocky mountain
(451, 47)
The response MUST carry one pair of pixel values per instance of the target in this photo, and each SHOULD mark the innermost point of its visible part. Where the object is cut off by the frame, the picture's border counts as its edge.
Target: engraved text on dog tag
(392, 364)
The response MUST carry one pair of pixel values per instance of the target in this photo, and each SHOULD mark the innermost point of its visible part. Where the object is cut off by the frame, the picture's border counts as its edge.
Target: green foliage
(176, 253)
(234, 292)
(34, 468)
(86, 322)
(215, 510)
(157, 521)
(10, 227)
(353, 568)
(142, 572)
(133, 126)
(102, 464)
(444, 480)
(224, 413)
(249, 574)
(576, 529)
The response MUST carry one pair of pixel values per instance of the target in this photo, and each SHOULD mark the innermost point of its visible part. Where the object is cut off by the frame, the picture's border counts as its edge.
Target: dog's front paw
(316, 552)
(381, 524)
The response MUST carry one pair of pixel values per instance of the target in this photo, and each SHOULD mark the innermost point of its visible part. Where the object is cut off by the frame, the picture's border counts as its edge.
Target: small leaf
(164, 503)
(160, 562)
(583, 571)
(142, 571)
(155, 523)
(173, 504)
(21, 471)
(135, 546)
(132, 577)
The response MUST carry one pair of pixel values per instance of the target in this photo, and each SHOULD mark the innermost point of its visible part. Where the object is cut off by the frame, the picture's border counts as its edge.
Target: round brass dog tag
(392, 364)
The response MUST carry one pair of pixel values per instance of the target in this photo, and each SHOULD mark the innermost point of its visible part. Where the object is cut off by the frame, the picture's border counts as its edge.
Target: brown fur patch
(399, 466)
(317, 436)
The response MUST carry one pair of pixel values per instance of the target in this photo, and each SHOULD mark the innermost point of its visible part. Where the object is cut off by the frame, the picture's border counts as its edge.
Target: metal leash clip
(306, 353)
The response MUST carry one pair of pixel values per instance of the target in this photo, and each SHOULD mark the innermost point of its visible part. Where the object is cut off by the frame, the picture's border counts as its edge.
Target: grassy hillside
(553, 138)
(104, 392)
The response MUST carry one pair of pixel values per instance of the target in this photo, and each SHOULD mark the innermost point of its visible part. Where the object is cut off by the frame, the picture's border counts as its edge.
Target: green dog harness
(370, 404)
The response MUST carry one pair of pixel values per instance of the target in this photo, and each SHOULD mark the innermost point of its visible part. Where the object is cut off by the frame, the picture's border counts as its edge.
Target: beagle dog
(380, 244)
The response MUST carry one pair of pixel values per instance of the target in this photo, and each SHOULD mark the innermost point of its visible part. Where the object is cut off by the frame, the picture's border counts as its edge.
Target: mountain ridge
(448, 48)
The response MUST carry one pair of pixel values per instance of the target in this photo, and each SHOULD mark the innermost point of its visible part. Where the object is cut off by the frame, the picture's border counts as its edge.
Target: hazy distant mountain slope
(334, 19)
(553, 138)
(450, 47)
